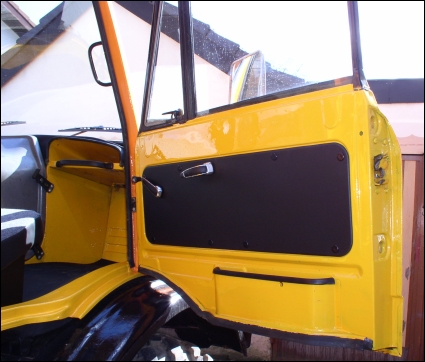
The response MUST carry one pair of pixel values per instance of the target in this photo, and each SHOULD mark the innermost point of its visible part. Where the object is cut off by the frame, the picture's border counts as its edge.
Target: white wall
(56, 90)
(407, 120)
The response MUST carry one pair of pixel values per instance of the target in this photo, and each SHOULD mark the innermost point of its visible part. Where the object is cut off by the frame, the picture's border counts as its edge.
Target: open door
(277, 213)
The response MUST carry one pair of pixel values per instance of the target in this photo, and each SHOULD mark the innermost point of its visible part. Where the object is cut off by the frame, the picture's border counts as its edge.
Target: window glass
(248, 49)
(167, 93)
(47, 84)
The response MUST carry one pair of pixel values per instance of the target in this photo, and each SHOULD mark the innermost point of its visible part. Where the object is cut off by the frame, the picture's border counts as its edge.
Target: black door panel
(294, 200)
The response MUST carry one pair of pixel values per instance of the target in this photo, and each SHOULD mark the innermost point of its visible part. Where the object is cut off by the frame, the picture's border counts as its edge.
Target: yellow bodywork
(85, 214)
(85, 222)
(73, 300)
(86, 218)
(365, 301)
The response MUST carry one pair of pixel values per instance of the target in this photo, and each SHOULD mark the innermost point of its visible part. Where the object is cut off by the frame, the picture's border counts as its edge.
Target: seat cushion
(20, 230)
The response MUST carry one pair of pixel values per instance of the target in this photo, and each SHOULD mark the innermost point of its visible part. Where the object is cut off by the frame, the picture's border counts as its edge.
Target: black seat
(21, 230)
(21, 158)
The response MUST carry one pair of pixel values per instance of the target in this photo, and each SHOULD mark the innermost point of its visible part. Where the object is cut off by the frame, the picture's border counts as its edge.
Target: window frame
(188, 68)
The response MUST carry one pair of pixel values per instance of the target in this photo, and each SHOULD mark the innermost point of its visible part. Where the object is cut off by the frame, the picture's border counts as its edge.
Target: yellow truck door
(270, 193)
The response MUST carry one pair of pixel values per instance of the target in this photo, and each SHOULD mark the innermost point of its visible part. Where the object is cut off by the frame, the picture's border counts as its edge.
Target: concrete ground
(260, 350)
(167, 339)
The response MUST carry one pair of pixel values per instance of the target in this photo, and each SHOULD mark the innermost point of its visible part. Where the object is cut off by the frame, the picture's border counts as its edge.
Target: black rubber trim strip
(359, 79)
(150, 67)
(274, 278)
(85, 163)
(327, 341)
(309, 88)
(187, 60)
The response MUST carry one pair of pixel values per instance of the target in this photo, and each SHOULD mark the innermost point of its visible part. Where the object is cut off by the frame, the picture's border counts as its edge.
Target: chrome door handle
(200, 170)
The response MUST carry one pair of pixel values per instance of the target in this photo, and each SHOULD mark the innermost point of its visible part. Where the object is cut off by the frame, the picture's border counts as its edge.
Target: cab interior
(63, 212)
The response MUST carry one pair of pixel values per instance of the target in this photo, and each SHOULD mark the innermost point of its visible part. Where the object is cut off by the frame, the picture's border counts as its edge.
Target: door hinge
(45, 184)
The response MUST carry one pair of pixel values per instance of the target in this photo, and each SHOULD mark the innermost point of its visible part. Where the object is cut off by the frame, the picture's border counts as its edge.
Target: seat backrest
(20, 158)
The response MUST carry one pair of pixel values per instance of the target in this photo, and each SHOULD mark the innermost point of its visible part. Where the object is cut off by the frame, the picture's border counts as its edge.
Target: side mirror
(247, 77)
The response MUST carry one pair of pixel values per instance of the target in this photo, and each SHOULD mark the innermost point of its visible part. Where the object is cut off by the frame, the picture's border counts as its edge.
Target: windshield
(47, 85)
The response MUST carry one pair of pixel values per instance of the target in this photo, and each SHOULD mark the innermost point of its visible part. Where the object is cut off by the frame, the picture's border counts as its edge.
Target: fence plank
(409, 181)
(415, 317)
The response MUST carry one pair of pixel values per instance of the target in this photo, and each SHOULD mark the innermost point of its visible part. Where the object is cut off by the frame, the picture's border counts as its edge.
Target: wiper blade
(12, 123)
(80, 130)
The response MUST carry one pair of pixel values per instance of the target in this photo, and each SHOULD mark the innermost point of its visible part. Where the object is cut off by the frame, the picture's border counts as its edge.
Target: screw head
(210, 242)
(340, 156)
(274, 156)
(335, 249)
(245, 244)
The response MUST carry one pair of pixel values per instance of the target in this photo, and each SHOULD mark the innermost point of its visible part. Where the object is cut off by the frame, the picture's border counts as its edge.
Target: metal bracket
(38, 251)
(380, 163)
(133, 204)
(45, 184)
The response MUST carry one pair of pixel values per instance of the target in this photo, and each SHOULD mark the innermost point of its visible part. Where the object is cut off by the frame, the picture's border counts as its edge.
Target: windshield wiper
(12, 123)
(80, 130)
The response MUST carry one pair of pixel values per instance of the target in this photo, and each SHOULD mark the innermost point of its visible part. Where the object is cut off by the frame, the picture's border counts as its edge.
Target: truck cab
(218, 165)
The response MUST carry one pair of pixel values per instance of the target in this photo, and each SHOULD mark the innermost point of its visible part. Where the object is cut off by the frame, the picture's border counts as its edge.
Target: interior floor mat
(43, 278)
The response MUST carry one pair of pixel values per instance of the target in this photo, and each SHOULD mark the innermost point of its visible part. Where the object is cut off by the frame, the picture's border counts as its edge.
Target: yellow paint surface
(365, 301)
